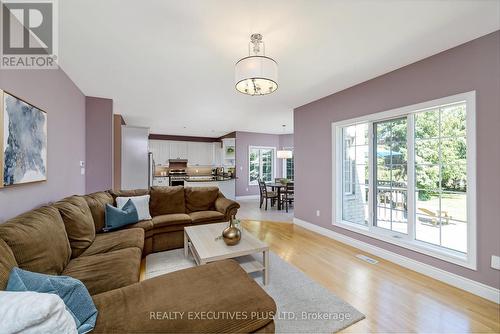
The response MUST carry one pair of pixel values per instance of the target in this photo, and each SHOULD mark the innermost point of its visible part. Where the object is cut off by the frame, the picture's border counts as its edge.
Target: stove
(177, 177)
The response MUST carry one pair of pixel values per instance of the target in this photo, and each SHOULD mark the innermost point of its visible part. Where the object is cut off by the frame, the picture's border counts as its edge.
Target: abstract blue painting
(24, 150)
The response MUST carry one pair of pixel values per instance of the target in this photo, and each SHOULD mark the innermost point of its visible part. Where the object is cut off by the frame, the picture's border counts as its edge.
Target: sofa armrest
(226, 206)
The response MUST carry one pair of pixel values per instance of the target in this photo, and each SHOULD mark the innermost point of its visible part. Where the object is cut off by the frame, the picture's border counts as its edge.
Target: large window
(261, 164)
(406, 176)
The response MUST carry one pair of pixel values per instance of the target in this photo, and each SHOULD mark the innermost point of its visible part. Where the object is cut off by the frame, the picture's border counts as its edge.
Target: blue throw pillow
(74, 294)
(116, 218)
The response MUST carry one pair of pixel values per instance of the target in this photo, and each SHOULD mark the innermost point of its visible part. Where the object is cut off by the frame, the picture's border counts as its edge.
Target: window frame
(284, 171)
(408, 241)
(351, 191)
(273, 161)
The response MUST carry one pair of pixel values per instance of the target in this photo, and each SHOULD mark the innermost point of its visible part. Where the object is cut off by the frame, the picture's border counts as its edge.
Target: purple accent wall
(471, 66)
(286, 141)
(99, 144)
(54, 92)
(243, 141)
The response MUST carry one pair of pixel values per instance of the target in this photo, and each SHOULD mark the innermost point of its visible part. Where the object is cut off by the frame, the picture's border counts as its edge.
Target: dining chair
(266, 195)
(288, 195)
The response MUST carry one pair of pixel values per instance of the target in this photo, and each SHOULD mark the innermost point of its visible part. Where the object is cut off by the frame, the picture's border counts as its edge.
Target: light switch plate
(495, 262)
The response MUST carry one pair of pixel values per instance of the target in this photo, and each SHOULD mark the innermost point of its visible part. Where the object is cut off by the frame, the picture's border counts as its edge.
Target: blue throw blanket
(73, 292)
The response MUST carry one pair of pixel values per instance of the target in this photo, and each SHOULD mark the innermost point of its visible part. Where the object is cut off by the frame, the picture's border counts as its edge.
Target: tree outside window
(261, 164)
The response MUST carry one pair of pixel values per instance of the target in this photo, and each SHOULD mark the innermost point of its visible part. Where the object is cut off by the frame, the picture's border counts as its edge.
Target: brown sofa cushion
(167, 238)
(107, 271)
(167, 200)
(78, 222)
(38, 240)
(200, 198)
(111, 241)
(146, 225)
(97, 204)
(7, 262)
(128, 193)
(206, 216)
(221, 287)
(172, 219)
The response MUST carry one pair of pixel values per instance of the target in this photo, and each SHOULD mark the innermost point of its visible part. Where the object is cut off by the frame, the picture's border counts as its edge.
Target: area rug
(304, 306)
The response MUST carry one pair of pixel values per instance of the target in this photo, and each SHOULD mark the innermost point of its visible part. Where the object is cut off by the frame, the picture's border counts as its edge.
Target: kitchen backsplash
(192, 171)
(161, 171)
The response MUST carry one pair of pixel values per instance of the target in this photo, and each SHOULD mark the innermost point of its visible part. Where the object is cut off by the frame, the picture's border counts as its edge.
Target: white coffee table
(201, 241)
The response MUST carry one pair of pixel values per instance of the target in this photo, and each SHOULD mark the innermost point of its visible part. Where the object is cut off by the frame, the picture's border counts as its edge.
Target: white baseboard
(248, 197)
(476, 288)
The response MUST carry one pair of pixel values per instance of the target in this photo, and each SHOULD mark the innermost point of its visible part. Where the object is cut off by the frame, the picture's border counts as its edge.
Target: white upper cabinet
(200, 154)
(218, 154)
(160, 150)
(197, 153)
(178, 150)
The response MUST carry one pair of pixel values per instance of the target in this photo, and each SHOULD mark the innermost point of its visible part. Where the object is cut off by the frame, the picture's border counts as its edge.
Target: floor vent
(367, 259)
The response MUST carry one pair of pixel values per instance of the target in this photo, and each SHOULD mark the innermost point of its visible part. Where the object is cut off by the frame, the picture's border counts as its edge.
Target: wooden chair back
(262, 188)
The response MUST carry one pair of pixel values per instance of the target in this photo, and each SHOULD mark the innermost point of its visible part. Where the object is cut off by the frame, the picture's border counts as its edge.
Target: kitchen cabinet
(134, 169)
(229, 152)
(160, 150)
(227, 187)
(160, 181)
(178, 150)
(218, 154)
(197, 153)
(200, 154)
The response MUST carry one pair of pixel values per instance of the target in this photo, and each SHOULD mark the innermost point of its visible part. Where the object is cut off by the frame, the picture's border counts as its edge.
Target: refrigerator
(137, 163)
(151, 169)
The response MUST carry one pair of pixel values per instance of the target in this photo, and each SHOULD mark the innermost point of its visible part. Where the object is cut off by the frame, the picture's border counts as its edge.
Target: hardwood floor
(394, 299)
(249, 209)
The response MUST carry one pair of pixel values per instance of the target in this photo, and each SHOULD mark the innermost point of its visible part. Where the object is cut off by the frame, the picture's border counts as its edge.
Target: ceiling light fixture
(284, 153)
(256, 74)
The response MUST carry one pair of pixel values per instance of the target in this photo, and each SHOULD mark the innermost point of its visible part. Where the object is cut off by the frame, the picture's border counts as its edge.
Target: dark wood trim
(191, 138)
(183, 138)
(229, 135)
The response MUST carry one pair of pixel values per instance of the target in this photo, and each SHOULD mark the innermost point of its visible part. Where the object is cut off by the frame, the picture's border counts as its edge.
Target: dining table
(278, 186)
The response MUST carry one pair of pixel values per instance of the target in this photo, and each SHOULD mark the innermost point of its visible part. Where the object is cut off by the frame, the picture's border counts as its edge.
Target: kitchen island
(226, 185)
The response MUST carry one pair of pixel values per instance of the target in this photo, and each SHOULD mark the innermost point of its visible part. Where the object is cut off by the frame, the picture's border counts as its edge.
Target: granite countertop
(215, 178)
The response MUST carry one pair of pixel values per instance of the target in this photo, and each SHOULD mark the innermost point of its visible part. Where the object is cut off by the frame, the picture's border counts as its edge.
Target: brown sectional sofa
(66, 238)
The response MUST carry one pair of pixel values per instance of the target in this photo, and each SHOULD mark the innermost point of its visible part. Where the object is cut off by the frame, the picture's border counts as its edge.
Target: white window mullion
(261, 166)
(339, 186)
(371, 184)
(411, 191)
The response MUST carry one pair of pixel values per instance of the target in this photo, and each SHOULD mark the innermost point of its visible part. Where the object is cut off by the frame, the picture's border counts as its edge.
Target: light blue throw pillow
(116, 218)
(73, 292)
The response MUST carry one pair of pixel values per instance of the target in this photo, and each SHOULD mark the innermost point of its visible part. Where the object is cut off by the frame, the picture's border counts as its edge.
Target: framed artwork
(23, 141)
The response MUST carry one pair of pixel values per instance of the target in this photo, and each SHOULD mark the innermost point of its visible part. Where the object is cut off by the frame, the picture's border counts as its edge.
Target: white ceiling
(169, 65)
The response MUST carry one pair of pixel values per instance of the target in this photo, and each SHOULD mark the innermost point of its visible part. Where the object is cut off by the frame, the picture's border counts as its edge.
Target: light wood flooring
(249, 209)
(394, 299)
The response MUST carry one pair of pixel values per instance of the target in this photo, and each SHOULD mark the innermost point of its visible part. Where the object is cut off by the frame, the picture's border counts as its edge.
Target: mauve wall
(471, 66)
(99, 144)
(54, 92)
(243, 141)
(286, 141)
